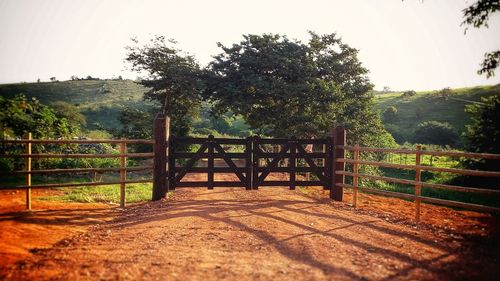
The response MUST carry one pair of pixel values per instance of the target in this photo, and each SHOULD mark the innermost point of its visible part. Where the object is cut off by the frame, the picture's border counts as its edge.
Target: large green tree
(174, 79)
(20, 115)
(477, 15)
(285, 87)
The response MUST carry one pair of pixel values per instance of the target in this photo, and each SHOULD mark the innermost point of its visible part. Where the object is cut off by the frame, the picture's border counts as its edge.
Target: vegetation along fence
(28, 156)
(330, 171)
(417, 182)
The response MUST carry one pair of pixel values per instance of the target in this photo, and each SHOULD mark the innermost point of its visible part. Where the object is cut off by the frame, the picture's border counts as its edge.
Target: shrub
(434, 132)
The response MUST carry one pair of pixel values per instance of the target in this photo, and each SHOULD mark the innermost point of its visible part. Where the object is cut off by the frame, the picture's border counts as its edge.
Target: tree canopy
(285, 87)
(174, 79)
(20, 115)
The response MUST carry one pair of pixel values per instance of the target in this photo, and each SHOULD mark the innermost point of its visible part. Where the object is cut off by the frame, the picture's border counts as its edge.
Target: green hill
(431, 105)
(99, 100)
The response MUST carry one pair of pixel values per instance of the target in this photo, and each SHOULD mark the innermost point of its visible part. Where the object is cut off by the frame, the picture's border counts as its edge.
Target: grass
(426, 176)
(135, 192)
(430, 105)
(99, 100)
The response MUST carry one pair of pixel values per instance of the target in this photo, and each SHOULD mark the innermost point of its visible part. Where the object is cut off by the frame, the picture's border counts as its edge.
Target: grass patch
(135, 192)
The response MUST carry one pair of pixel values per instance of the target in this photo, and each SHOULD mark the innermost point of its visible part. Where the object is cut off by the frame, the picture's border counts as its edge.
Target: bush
(408, 94)
(390, 114)
(434, 132)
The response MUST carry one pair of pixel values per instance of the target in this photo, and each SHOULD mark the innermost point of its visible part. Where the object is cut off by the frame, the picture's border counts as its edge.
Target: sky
(406, 45)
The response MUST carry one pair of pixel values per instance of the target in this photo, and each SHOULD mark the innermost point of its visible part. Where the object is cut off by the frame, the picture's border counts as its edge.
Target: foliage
(70, 112)
(408, 94)
(284, 87)
(434, 132)
(483, 135)
(430, 105)
(478, 15)
(390, 114)
(20, 115)
(173, 79)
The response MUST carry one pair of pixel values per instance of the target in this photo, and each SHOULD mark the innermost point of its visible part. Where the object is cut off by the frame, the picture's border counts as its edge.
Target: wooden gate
(203, 160)
(252, 161)
(310, 157)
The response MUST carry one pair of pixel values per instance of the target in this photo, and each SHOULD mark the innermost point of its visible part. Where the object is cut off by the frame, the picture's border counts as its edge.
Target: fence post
(355, 177)
(28, 169)
(161, 135)
(417, 185)
(123, 172)
(293, 162)
(339, 139)
(210, 162)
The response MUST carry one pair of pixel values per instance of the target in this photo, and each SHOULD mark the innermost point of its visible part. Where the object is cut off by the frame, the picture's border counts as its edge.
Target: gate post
(161, 132)
(339, 139)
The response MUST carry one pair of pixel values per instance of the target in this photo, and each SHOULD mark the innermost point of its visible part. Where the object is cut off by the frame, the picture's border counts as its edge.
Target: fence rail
(417, 183)
(122, 169)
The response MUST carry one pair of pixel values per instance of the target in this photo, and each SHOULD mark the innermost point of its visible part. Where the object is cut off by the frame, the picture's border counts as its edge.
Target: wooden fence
(122, 169)
(417, 183)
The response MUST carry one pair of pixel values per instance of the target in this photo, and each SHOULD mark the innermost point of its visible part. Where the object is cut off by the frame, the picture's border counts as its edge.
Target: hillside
(99, 100)
(430, 105)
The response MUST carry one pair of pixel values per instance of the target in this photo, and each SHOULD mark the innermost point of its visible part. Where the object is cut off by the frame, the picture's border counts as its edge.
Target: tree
(70, 112)
(386, 89)
(408, 94)
(20, 115)
(284, 87)
(477, 15)
(483, 134)
(53, 79)
(390, 114)
(174, 79)
(434, 132)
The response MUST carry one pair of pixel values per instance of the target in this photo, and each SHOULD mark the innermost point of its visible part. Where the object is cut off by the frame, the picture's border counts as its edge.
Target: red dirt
(230, 233)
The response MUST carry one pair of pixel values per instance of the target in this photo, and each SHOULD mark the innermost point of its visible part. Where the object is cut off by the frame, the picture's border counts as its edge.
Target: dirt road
(270, 234)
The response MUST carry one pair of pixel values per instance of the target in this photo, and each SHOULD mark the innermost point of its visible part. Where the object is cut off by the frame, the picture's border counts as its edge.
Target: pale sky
(405, 45)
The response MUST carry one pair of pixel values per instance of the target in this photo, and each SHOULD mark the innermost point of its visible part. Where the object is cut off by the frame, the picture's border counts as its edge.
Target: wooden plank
(229, 162)
(160, 131)
(290, 169)
(53, 185)
(273, 163)
(255, 163)
(28, 169)
(329, 163)
(339, 139)
(215, 169)
(318, 171)
(76, 170)
(428, 152)
(299, 154)
(129, 141)
(427, 168)
(425, 184)
(287, 183)
(190, 163)
(171, 163)
(76, 155)
(205, 183)
(248, 163)
(475, 207)
(210, 163)
(123, 173)
(180, 155)
(355, 177)
(293, 162)
(418, 158)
